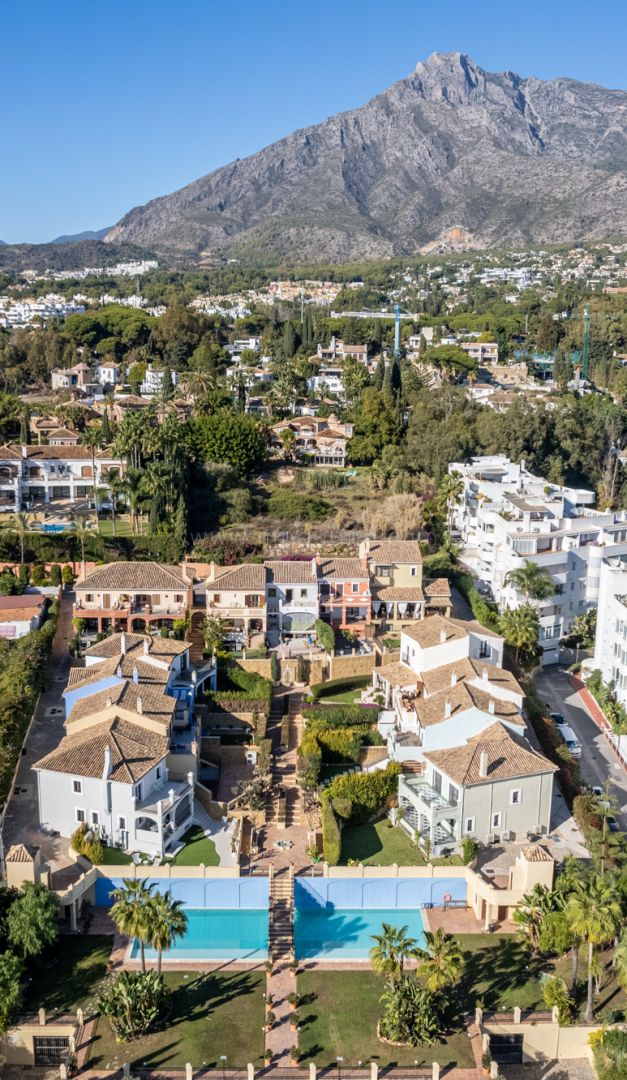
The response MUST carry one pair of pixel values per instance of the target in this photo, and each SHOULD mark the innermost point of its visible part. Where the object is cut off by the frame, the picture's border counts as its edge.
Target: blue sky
(108, 105)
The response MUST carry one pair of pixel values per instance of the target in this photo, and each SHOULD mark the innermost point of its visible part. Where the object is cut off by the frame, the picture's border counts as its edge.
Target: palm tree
(131, 912)
(594, 914)
(131, 488)
(530, 913)
(167, 922)
(520, 628)
(450, 491)
(115, 484)
(22, 528)
(92, 438)
(533, 581)
(443, 963)
(620, 960)
(390, 951)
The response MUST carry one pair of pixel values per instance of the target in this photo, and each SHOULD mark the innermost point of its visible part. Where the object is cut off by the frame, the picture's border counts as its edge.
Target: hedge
(309, 759)
(336, 716)
(339, 746)
(484, 611)
(368, 792)
(332, 686)
(331, 839)
(240, 690)
(23, 673)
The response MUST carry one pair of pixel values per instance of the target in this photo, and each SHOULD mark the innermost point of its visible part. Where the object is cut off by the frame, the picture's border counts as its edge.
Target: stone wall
(371, 755)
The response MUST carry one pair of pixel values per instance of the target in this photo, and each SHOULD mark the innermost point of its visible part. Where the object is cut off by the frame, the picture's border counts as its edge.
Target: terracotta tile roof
(410, 593)
(429, 632)
(467, 669)
(508, 758)
(27, 600)
(286, 572)
(134, 752)
(153, 703)
(247, 576)
(395, 551)
(63, 433)
(135, 643)
(398, 674)
(462, 697)
(346, 569)
(21, 853)
(54, 453)
(124, 667)
(437, 587)
(534, 853)
(21, 614)
(135, 577)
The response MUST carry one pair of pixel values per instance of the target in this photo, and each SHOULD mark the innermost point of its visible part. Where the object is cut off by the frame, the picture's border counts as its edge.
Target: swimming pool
(57, 528)
(346, 933)
(219, 934)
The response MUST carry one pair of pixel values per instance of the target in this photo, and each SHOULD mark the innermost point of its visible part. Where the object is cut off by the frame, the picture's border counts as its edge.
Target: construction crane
(585, 348)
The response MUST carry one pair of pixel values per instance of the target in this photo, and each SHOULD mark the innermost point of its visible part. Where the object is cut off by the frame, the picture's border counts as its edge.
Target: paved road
(598, 763)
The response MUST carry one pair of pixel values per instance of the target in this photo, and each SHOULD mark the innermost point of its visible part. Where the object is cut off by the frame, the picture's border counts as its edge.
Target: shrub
(555, 992)
(133, 1003)
(275, 668)
(325, 635)
(55, 574)
(23, 575)
(294, 506)
(67, 575)
(368, 792)
(301, 670)
(469, 848)
(331, 840)
(343, 808)
(336, 716)
(484, 611)
(309, 759)
(339, 686)
(38, 575)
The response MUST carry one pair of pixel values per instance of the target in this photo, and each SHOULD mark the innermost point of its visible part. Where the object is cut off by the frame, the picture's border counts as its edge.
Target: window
(453, 794)
(437, 781)
(158, 772)
(216, 598)
(80, 816)
(178, 599)
(484, 648)
(303, 592)
(496, 821)
(89, 598)
(272, 593)
(122, 823)
(77, 787)
(469, 825)
(137, 791)
(515, 796)
(95, 817)
(355, 587)
(413, 571)
(288, 594)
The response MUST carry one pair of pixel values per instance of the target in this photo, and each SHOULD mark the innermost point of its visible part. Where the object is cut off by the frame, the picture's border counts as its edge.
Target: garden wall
(344, 667)
(374, 892)
(258, 665)
(199, 892)
(545, 1041)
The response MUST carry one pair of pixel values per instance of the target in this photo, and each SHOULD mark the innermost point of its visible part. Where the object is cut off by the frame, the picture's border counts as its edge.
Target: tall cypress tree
(106, 430)
(379, 374)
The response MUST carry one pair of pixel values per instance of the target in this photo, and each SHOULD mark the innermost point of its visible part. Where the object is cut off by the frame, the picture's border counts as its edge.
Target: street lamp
(223, 1060)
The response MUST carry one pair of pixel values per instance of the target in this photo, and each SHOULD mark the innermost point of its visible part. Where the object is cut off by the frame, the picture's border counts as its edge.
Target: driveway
(551, 1070)
(598, 763)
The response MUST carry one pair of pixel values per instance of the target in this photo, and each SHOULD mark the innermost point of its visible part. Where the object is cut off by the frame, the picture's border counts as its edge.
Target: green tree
(443, 961)
(131, 912)
(167, 921)
(376, 426)
(391, 949)
(595, 914)
(325, 635)
(409, 1014)
(32, 920)
(11, 987)
(22, 527)
(531, 912)
(214, 633)
(133, 1003)
(533, 581)
(520, 627)
(562, 370)
(232, 438)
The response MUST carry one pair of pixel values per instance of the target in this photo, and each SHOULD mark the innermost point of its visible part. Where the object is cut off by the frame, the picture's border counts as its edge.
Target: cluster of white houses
(505, 516)
(452, 716)
(61, 471)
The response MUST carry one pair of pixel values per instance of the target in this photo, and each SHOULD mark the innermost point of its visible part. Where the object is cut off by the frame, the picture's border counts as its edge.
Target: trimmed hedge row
(331, 838)
(240, 690)
(484, 611)
(333, 686)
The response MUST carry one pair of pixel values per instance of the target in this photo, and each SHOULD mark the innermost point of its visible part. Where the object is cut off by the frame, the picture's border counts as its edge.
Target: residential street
(597, 761)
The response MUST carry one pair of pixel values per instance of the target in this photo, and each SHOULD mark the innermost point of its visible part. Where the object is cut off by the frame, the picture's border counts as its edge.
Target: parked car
(557, 718)
(612, 824)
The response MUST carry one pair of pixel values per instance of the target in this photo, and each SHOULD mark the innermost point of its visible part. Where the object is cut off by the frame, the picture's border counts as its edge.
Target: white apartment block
(507, 516)
(153, 381)
(35, 475)
(610, 647)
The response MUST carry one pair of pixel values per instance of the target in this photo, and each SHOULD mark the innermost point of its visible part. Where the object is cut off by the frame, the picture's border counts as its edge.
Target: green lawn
(71, 976)
(380, 844)
(338, 1014)
(114, 857)
(210, 1014)
(342, 697)
(340, 1009)
(198, 849)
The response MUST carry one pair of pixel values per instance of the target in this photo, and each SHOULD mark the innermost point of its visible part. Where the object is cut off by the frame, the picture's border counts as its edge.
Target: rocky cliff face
(500, 159)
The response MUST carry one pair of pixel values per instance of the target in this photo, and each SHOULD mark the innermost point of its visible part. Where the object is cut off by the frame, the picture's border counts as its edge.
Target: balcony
(427, 800)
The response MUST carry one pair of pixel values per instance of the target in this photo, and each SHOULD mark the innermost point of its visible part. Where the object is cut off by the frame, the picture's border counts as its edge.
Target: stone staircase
(281, 926)
(194, 635)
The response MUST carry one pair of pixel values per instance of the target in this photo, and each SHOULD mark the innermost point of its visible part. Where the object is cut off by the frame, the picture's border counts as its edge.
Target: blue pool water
(219, 934)
(57, 528)
(346, 933)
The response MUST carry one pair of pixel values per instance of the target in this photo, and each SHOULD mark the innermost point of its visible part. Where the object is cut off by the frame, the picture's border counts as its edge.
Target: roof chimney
(106, 772)
(448, 708)
(109, 702)
(453, 678)
(123, 643)
(484, 675)
(135, 675)
(212, 571)
(146, 646)
(491, 706)
(118, 671)
(442, 636)
(139, 706)
(483, 764)
(24, 450)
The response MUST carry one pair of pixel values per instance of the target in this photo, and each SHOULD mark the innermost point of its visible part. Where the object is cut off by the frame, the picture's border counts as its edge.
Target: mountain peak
(500, 159)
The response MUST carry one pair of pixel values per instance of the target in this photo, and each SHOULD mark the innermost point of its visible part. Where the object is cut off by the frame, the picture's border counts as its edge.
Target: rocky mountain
(450, 150)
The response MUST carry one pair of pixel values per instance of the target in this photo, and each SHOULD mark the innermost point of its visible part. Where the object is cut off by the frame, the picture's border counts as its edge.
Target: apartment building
(506, 516)
(398, 595)
(133, 596)
(453, 717)
(236, 595)
(484, 352)
(153, 381)
(610, 646)
(32, 476)
(127, 764)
